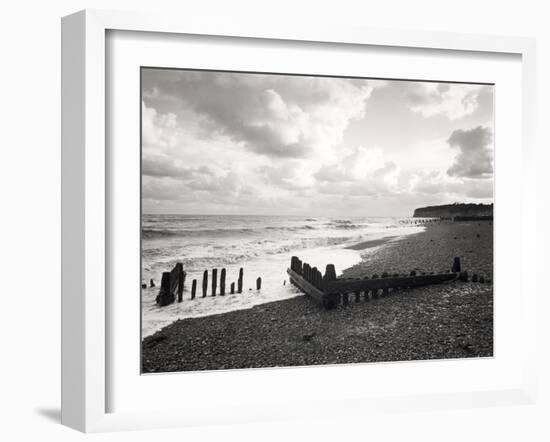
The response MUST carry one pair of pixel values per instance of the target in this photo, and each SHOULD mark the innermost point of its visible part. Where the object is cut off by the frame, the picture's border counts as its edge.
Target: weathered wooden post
(214, 281)
(165, 296)
(240, 281)
(232, 288)
(193, 288)
(330, 272)
(181, 280)
(456, 265)
(330, 275)
(204, 283)
(259, 283)
(222, 283)
(374, 291)
(345, 299)
(385, 290)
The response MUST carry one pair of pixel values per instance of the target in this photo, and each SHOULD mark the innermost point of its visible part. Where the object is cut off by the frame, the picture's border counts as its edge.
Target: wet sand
(453, 320)
(370, 244)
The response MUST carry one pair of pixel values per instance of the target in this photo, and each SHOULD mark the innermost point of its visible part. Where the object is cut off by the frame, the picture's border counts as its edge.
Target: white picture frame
(85, 202)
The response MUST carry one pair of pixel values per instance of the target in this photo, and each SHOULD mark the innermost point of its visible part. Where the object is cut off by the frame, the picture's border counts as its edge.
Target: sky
(246, 143)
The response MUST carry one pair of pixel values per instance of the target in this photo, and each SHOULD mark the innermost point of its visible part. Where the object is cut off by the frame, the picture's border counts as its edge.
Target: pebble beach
(452, 320)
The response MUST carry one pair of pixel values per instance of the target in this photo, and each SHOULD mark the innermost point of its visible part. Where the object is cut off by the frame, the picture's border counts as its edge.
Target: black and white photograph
(293, 220)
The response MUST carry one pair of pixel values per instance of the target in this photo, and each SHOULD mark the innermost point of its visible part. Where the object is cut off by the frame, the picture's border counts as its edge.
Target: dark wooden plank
(214, 281)
(204, 283)
(353, 285)
(222, 283)
(326, 300)
(240, 281)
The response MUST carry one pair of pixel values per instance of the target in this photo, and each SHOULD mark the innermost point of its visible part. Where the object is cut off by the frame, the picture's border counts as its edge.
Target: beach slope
(453, 320)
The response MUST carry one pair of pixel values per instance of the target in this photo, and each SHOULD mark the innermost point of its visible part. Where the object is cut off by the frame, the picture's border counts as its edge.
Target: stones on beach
(482, 279)
(475, 278)
(151, 283)
(143, 286)
(413, 273)
(463, 276)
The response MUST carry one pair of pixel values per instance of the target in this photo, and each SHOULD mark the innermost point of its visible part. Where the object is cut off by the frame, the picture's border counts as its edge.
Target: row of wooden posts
(174, 282)
(330, 291)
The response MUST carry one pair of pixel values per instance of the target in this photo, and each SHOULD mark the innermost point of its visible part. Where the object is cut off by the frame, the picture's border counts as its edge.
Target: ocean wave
(343, 224)
(148, 233)
(235, 255)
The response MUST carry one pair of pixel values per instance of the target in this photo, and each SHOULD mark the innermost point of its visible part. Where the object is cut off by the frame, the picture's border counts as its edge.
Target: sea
(261, 245)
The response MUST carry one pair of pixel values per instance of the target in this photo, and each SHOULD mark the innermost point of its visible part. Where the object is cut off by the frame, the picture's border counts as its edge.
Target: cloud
(361, 172)
(277, 116)
(475, 157)
(157, 130)
(247, 143)
(434, 183)
(454, 101)
(162, 166)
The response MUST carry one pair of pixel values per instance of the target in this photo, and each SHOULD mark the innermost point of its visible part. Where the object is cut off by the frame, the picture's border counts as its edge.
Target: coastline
(436, 322)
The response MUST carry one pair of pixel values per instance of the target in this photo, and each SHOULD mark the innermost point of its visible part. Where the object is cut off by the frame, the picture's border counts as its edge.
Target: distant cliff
(455, 210)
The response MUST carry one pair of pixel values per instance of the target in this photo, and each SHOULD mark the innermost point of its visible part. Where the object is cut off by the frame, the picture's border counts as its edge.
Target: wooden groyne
(173, 285)
(330, 291)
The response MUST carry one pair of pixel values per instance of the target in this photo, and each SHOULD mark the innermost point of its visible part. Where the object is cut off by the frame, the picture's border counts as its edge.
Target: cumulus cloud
(278, 116)
(157, 130)
(163, 166)
(451, 100)
(247, 143)
(433, 183)
(475, 157)
(361, 172)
